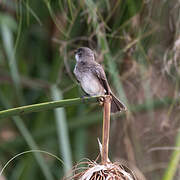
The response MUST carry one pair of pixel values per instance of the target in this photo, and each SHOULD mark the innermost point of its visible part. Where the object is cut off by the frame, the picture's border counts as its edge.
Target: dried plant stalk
(106, 170)
(106, 127)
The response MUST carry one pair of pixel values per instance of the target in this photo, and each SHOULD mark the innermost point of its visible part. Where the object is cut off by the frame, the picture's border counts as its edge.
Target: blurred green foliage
(138, 44)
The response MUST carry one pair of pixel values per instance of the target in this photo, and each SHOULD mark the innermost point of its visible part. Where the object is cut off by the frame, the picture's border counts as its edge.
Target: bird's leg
(102, 99)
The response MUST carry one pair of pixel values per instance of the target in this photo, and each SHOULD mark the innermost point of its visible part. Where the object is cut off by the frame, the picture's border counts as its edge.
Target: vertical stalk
(62, 130)
(106, 127)
(173, 165)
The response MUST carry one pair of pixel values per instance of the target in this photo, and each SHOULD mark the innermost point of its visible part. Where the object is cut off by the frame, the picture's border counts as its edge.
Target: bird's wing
(98, 71)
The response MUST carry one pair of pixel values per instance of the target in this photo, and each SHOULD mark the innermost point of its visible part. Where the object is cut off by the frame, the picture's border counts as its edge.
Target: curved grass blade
(29, 139)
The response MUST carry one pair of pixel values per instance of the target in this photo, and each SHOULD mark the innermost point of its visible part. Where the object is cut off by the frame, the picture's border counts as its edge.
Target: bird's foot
(101, 101)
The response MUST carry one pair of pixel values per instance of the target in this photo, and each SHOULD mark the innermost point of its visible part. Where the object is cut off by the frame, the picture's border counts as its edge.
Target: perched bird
(92, 77)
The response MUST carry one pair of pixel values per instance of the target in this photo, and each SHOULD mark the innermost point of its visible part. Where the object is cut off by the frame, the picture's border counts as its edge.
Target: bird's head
(84, 54)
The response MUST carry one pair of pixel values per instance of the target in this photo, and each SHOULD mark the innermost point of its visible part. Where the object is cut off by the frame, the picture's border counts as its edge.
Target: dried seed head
(96, 171)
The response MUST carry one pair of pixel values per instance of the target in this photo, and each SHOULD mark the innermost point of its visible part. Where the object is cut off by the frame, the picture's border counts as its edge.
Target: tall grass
(137, 44)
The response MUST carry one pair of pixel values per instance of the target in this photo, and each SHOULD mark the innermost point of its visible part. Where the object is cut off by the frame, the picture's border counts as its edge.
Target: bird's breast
(91, 84)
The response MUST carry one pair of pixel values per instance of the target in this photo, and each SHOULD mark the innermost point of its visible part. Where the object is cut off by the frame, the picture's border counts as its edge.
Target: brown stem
(106, 127)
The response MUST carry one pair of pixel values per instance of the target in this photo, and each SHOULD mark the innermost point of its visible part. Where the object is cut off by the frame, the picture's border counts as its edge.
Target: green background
(138, 44)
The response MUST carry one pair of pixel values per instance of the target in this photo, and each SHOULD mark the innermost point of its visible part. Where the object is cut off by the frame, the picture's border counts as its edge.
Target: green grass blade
(174, 161)
(27, 152)
(30, 141)
(20, 20)
(53, 16)
(7, 38)
(92, 119)
(62, 130)
(45, 106)
(81, 135)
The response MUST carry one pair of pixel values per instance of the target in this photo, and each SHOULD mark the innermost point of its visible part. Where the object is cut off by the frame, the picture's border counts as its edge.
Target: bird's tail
(117, 105)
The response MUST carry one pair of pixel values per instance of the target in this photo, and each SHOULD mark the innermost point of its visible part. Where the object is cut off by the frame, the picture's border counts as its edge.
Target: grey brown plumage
(117, 105)
(92, 78)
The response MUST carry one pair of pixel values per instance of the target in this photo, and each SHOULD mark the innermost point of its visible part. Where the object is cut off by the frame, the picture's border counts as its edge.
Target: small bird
(92, 77)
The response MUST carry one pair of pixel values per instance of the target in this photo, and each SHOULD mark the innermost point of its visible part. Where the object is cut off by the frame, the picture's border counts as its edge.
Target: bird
(92, 78)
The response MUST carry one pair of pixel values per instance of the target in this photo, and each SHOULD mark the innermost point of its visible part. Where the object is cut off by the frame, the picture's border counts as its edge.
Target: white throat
(77, 58)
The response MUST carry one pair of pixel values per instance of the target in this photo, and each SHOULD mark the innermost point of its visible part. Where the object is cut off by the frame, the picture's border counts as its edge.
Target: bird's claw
(101, 101)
